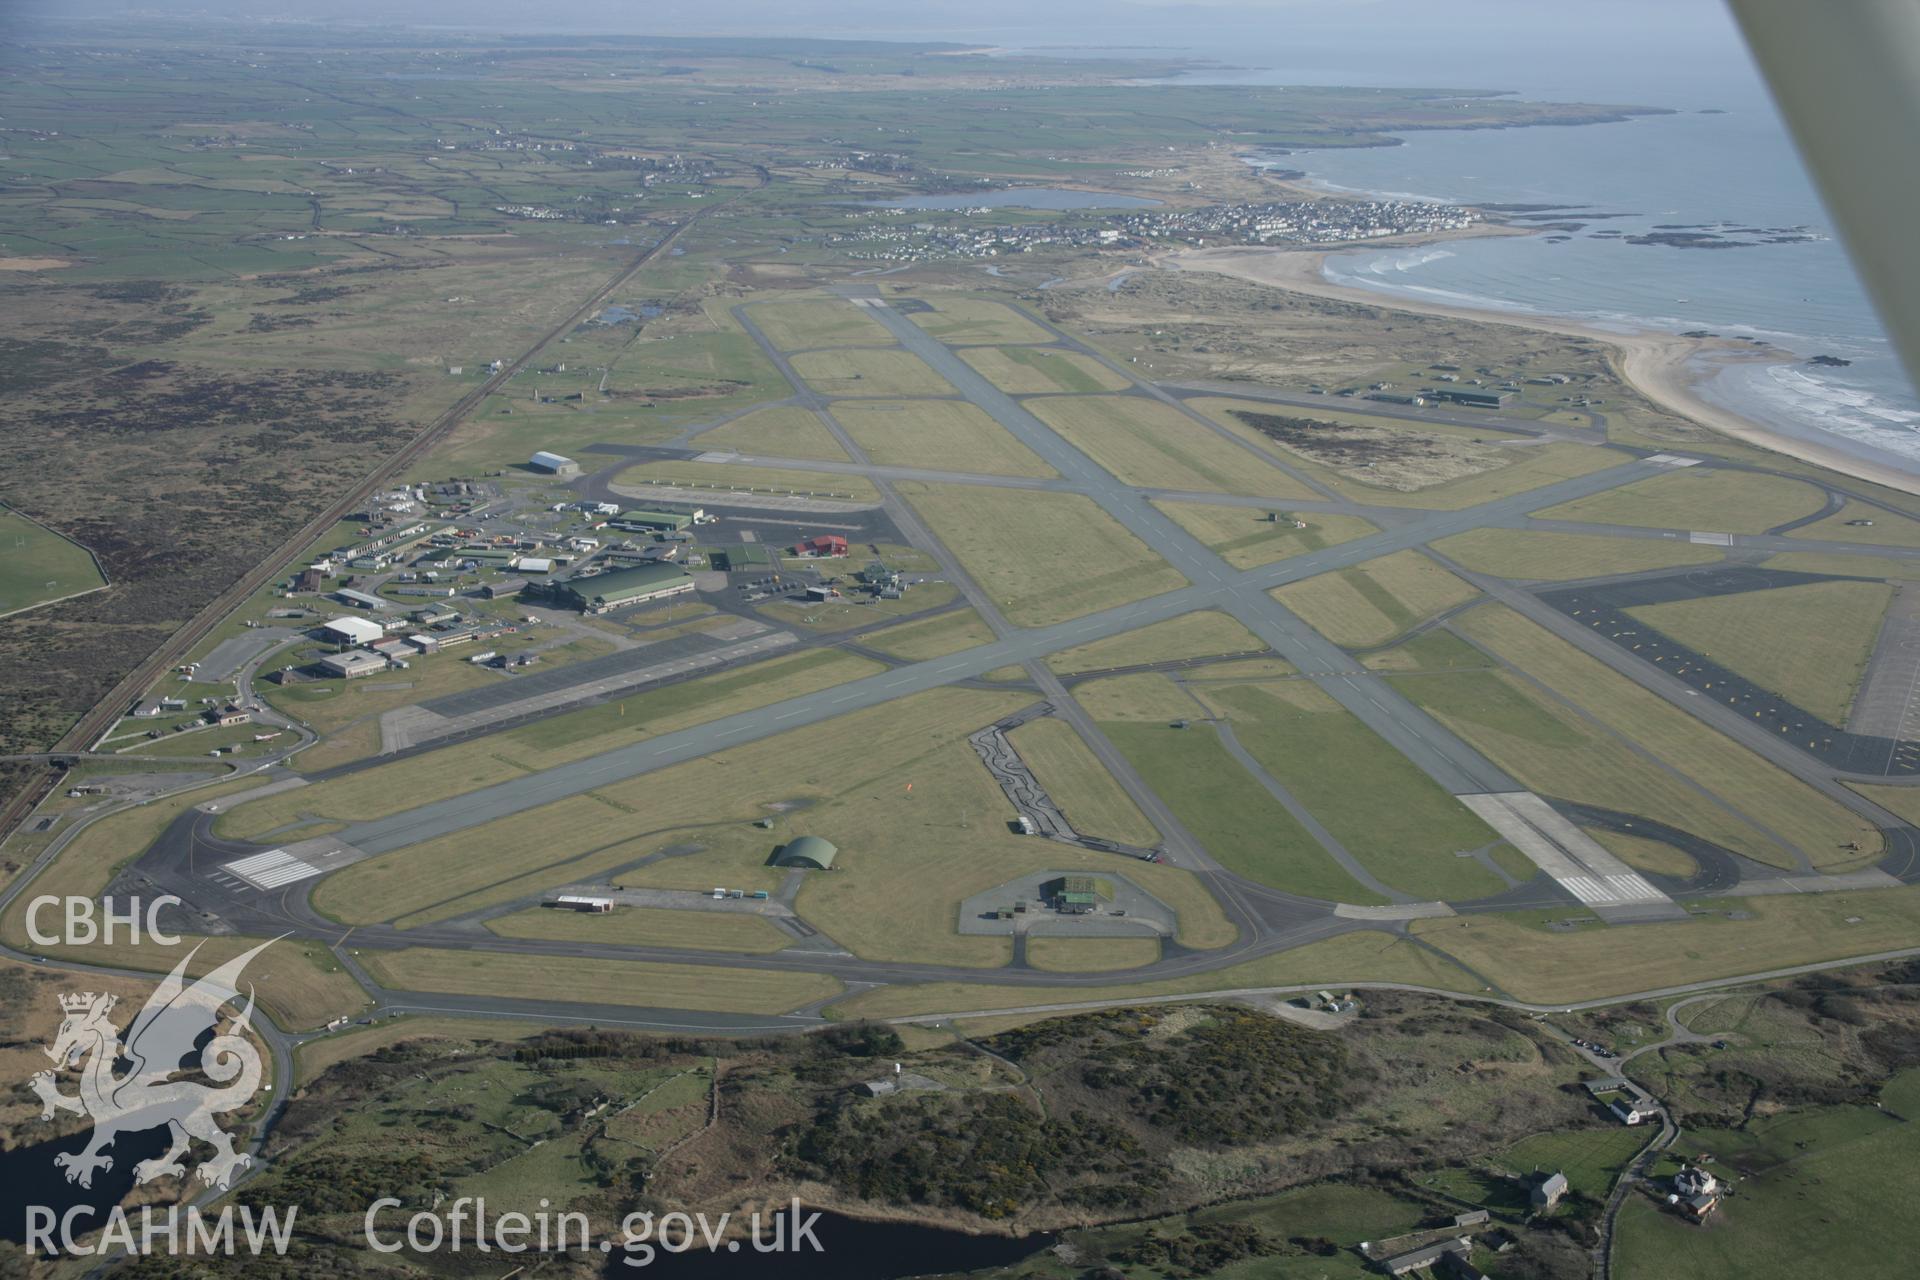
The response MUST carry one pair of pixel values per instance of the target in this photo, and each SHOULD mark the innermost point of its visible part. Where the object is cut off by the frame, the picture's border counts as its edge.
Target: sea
(1721, 172)
(1722, 160)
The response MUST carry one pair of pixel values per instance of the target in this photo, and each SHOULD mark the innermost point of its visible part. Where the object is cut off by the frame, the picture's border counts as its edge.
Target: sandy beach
(1657, 364)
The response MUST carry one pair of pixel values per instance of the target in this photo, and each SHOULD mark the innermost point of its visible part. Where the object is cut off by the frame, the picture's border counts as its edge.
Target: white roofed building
(349, 630)
(554, 464)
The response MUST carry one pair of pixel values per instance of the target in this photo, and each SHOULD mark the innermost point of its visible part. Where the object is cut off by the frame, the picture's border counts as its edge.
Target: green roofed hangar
(807, 851)
(601, 592)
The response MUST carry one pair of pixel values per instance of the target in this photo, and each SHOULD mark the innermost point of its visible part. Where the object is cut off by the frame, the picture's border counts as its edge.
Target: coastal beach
(1665, 367)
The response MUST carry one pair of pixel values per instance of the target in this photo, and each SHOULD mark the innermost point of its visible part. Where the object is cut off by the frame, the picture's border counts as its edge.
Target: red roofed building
(831, 544)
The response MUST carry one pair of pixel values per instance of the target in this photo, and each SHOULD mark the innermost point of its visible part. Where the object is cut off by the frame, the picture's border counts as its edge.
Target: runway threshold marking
(272, 869)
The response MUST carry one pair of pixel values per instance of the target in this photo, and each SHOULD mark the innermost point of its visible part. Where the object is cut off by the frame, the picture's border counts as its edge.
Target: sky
(1653, 51)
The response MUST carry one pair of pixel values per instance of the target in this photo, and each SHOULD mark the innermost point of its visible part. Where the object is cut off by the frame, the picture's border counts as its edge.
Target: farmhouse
(1548, 1191)
(351, 631)
(1454, 1252)
(1696, 1193)
(1632, 1112)
(554, 464)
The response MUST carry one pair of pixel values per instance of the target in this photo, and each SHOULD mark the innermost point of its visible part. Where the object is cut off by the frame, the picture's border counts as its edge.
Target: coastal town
(900, 235)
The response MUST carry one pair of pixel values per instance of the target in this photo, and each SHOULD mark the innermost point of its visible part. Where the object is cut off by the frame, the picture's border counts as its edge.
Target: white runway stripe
(1632, 887)
(271, 869)
(1605, 890)
(1584, 888)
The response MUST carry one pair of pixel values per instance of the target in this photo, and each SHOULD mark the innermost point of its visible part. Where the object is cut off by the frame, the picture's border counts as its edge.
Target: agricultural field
(1153, 445)
(1592, 1159)
(1541, 556)
(1073, 558)
(1698, 498)
(1038, 371)
(868, 371)
(1247, 539)
(40, 565)
(1809, 644)
(944, 435)
(1372, 603)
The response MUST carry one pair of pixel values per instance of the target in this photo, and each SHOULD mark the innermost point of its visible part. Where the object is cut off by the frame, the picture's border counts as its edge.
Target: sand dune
(1659, 365)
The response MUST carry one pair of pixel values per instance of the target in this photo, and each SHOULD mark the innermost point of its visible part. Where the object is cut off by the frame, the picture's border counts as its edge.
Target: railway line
(89, 728)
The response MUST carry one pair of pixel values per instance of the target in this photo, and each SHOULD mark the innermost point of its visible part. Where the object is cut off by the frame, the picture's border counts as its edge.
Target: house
(1427, 1257)
(1696, 1193)
(1548, 1191)
(1633, 1112)
(1695, 1181)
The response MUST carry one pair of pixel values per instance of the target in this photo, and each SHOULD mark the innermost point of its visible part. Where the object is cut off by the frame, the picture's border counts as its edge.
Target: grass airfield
(1245, 664)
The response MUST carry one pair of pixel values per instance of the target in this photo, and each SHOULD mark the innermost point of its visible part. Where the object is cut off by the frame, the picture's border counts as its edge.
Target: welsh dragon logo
(129, 1086)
